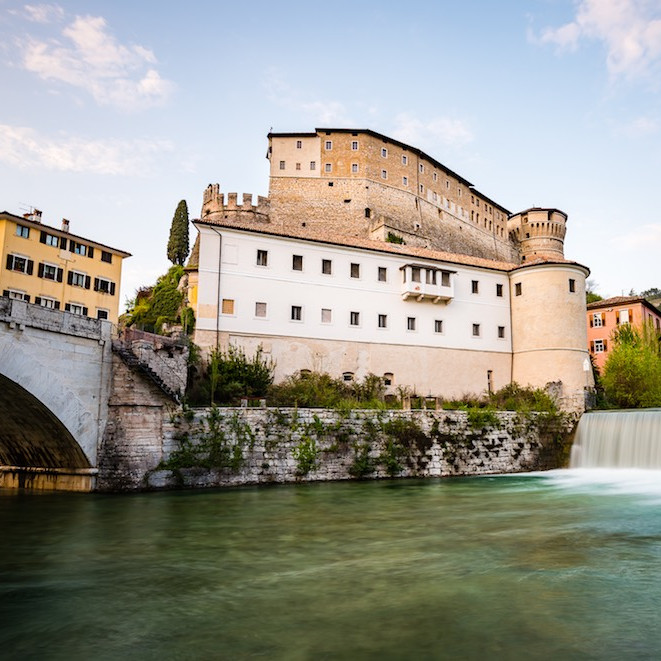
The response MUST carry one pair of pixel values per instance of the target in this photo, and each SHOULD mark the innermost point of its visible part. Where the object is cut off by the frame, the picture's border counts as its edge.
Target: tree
(591, 295)
(632, 373)
(178, 241)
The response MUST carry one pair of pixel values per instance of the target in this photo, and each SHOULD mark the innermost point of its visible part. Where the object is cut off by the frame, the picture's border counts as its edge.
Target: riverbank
(240, 446)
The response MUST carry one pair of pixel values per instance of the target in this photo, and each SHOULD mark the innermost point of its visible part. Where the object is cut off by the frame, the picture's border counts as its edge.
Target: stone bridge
(56, 391)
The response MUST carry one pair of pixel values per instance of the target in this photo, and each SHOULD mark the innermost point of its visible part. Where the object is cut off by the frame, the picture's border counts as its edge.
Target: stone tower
(539, 232)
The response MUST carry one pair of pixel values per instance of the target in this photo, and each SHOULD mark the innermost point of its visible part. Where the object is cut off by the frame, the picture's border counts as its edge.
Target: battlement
(215, 205)
(540, 232)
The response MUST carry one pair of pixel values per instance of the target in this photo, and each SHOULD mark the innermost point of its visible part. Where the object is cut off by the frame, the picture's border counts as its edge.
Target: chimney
(35, 215)
(65, 225)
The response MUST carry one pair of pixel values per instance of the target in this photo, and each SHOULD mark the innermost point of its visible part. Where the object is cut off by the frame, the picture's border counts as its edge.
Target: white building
(438, 323)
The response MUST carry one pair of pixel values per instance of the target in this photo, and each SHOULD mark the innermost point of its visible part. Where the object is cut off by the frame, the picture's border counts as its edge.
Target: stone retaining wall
(229, 447)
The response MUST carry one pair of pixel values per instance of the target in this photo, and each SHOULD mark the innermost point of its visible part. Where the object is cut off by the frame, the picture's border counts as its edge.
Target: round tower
(549, 330)
(540, 233)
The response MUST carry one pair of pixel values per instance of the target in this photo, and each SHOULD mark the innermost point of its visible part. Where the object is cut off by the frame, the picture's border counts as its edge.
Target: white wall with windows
(280, 286)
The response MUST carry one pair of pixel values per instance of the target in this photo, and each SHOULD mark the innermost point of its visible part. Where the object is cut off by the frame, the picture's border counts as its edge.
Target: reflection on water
(553, 565)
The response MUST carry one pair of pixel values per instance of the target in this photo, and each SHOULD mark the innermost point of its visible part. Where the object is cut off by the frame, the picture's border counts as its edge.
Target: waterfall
(618, 439)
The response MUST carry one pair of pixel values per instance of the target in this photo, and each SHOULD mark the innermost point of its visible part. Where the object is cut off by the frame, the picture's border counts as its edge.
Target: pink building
(605, 316)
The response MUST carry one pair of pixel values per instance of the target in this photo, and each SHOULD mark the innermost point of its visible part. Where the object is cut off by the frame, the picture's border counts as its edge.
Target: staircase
(134, 363)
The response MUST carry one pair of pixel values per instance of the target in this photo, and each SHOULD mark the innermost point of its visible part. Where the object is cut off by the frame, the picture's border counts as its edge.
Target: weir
(618, 439)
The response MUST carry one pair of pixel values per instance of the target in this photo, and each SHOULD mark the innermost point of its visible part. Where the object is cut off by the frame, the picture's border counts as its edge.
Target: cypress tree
(178, 241)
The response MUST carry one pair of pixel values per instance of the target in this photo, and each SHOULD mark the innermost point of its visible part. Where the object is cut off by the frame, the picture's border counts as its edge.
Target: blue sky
(114, 111)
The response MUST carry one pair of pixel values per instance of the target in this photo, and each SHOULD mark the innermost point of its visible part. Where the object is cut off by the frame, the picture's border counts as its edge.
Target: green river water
(560, 565)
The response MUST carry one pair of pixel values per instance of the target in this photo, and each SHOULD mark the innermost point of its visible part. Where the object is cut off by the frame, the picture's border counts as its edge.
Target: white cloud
(43, 13)
(279, 92)
(645, 237)
(629, 29)
(642, 126)
(23, 147)
(439, 130)
(89, 57)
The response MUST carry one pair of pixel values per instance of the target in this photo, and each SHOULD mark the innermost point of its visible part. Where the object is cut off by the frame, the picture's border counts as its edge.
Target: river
(562, 564)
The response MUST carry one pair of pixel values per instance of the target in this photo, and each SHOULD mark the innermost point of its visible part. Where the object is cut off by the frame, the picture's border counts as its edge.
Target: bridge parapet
(19, 314)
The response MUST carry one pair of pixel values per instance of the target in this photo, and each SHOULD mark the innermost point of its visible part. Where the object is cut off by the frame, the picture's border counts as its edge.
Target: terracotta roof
(315, 234)
(622, 300)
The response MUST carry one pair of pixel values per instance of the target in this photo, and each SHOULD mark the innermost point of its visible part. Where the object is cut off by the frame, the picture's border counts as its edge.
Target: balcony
(422, 282)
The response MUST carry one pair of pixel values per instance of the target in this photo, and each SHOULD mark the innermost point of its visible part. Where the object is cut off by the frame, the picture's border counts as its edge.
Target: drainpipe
(220, 247)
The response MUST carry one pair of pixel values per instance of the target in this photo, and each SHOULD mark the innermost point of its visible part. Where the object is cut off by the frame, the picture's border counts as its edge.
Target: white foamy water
(618, 439)
(634, 481)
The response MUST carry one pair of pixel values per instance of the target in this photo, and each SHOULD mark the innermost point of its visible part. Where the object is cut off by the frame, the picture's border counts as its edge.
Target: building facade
(53, 268)
(412, 275)
(606, 316)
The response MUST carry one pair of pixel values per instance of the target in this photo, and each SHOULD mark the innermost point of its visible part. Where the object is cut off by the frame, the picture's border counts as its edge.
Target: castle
(369, 256)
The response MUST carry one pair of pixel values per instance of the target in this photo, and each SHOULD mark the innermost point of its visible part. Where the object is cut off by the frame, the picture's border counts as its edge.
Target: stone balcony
(422, 282)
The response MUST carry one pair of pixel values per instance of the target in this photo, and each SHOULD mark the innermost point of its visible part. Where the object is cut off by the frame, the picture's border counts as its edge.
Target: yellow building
(59, 270)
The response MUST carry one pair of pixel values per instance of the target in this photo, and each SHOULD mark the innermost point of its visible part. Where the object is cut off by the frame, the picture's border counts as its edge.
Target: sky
(113, 112)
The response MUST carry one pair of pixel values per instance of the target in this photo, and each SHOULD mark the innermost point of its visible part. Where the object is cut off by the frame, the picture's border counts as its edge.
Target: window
(313, 165)
(501, 332)
(326, 316)
(101, 314)
(21, 264)
(383, 321)
(405, 181)
(415, 274)
(499, 290)
(347, 376)
(354, 318)
(296, 313)
(623, 317)
(354, 145)
(282, 165)
(517, 289)
(572, 285)
(475, 287)
(299, 144)
(354, 167)
(298, 166)
(47, 302)
(434, 176)
(297, 262)
(405, 159)
(106, 256)
(445, 278)
(328, 167)
(476, 330)
(422, 189)
(597, 320)
(599, 346)
(260, 309)
(438, 325)
(326, 266)
(382, 275)
(384, 174)
(355, 270)
(384, 152)
(368, 213)
(421, 167)
(430, 276)
(410, 323)
(329, 144)
(78, 279)
(104, 285)
(50, 272)
(79, 248)
(388, 378)
(76, 308)
(262, 258)
(52, 240)
(16, 295)
(228, 306)
(22, 231)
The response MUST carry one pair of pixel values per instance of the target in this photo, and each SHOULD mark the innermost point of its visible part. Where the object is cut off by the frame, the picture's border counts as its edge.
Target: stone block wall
(229, 447)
